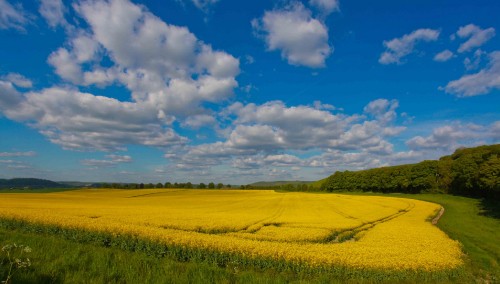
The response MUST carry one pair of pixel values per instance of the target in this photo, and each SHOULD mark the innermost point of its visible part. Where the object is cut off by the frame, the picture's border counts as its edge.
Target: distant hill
(278, 183)
(33, 183)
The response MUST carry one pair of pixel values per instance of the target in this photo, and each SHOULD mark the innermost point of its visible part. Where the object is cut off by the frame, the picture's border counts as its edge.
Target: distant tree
(150, 185)
(141, 185)
(220, 185)
(159, 185)
(202, 185)
(242, 187)
(489, 176)
(228, 186)
(188, 185)
(211, 185)
(168, 185)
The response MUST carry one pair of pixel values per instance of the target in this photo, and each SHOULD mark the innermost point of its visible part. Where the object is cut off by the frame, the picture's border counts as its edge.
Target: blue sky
(242, 91)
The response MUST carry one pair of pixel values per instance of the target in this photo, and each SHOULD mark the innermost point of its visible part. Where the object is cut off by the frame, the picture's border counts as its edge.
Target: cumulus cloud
(262, 134)
(259, 161)
(383, 109)
(198, 121)
(301, 39)
(398, 48)
(169, 72)
(480, 83)
(12, 16)
(18, 80)
(451, 136)
(443, 56)
(9, 95)
(83, 121)
(495, 130)
(476, 37)
(53, 12)
(161, 64)
(325, 7)
(110, 161)
(473, 62)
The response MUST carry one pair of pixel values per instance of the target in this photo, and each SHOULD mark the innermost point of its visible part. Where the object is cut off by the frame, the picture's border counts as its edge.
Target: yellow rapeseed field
(319, 230)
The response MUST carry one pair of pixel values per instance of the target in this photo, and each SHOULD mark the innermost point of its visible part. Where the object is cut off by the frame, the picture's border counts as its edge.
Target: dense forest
(468, 171)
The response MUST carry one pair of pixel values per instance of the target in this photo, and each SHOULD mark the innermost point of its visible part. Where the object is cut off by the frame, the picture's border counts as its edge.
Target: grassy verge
(466, 220)
(475, 223)
(56, 260)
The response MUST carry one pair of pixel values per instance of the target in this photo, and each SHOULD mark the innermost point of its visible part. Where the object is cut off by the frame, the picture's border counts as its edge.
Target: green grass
(57, 259)
(475, 223)
(464, 220)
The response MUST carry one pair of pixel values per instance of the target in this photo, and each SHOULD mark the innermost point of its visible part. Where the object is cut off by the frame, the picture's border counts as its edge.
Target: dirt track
(436, 219)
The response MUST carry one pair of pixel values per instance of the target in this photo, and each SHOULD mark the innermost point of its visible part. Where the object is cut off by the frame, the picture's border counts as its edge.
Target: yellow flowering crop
(320, 230)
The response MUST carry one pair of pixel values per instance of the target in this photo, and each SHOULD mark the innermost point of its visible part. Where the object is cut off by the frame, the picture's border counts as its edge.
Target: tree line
(468, 171)
(187, 185)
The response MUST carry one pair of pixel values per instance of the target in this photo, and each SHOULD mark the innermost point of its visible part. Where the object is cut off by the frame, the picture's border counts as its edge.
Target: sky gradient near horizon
(242, 91)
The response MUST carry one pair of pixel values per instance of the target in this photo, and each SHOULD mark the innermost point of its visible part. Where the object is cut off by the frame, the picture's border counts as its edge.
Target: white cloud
(471, 64)
(18, 154)
(443, 56)
(9, 96)
(480, 83)
(301, 39)
(476, 37)
(398, 48)
(119, 158)
(267, 130)
(204, 5)
(321, 106)
(18, 80)
(66, 67)
(260, 161)
(198, 121)
(53, 11)
(383, 109)
(326, 7)
(169, 72)
(449, 137)
(12, 17)
(110, 161)
(495, 131)
(161, 64)
(82, 121)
